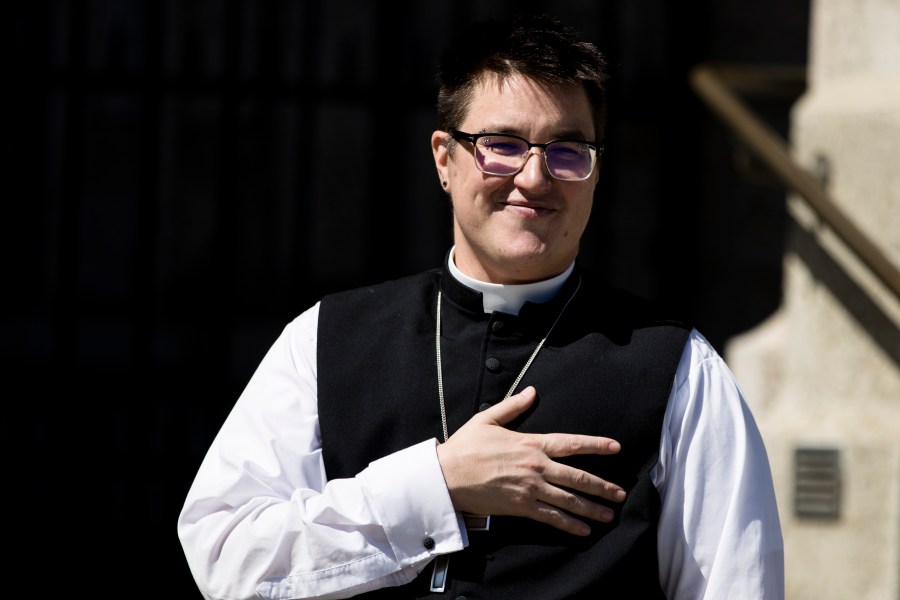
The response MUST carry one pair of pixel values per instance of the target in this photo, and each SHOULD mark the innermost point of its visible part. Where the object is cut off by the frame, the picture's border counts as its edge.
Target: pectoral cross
(442, 562)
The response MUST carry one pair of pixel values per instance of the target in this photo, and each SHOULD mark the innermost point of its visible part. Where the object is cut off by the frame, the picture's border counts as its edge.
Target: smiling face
(524, 227)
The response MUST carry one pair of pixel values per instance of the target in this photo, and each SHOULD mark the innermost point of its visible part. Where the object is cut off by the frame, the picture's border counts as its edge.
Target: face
(524, 227)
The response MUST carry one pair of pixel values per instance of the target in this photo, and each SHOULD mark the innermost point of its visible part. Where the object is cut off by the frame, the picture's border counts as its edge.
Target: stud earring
(444, 183)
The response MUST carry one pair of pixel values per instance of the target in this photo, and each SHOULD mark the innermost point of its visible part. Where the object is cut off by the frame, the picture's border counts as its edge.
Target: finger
(576, 504)
(556, 445)
(555, 517)
(570, 478)
(509, 408)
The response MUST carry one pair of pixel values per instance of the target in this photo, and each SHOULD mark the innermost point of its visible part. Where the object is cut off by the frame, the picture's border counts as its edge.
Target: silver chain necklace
(473, 522)
(437, 346)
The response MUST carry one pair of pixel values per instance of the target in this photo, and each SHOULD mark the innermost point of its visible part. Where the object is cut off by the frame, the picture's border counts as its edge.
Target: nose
(534, 174)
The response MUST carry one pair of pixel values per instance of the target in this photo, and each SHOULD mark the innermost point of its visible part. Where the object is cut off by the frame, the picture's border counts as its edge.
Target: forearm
(356, 534)
(261, 518)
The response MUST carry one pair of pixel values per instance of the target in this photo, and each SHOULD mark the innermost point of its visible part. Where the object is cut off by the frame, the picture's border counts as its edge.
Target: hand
(492, 470)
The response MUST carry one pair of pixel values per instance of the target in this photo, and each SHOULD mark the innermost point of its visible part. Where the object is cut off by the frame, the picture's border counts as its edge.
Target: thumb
(510, 408)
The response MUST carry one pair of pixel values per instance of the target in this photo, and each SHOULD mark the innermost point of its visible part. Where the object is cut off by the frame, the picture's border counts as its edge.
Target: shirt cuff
(408, 492)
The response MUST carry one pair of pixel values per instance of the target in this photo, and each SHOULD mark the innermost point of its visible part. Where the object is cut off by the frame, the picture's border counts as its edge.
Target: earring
(444, 183)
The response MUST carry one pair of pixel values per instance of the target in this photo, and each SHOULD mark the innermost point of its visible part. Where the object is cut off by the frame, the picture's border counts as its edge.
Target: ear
(441, 157)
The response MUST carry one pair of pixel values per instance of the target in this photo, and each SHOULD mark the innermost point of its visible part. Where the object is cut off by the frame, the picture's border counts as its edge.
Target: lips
(529, 208)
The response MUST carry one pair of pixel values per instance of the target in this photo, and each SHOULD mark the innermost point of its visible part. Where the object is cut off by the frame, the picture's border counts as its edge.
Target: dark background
(180, 179)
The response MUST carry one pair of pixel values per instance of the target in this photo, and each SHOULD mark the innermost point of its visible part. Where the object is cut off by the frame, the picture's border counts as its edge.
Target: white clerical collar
(510, 297)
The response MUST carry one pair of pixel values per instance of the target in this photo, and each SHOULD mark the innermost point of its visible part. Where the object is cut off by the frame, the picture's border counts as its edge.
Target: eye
(503, 146)
(567, 151)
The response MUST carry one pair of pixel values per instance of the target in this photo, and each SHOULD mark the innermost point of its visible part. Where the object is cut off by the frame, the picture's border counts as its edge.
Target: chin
(526, 247)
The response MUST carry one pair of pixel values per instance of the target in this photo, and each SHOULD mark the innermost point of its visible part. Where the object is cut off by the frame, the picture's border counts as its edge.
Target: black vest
(607, 369)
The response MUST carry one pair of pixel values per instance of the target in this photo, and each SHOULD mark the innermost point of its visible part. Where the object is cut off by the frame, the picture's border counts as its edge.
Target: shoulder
(384, 300)
(699, 351)
(622, 312)
(702, 361)
(401, 287)
(705, 385)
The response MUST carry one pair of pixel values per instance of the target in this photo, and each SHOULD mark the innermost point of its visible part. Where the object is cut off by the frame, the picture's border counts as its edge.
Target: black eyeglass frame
(472, 138)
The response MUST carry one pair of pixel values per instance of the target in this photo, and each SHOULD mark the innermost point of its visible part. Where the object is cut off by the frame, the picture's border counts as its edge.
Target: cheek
(582, 211)
(587, 206)
(473, 188)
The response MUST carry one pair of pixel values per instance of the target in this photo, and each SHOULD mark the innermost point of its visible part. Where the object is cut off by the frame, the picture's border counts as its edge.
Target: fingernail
(614, 446)
(619, 495)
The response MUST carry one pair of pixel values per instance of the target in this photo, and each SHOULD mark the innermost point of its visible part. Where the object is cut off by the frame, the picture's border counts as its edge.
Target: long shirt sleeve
(719, 534)
(260, 519)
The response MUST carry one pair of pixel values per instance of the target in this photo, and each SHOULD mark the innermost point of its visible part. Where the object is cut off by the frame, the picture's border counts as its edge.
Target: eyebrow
(564, 134)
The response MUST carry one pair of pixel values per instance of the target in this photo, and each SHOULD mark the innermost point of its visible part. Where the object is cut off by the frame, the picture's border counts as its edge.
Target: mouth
(528, 209)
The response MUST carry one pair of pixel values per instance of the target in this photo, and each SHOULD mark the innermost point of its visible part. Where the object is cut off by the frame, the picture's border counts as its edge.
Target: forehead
(521, 105)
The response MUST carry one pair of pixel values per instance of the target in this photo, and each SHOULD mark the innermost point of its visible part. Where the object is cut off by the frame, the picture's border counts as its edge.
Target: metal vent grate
(817, 491)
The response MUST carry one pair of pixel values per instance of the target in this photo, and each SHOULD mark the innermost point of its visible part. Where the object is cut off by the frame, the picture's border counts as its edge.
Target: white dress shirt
(262, 520)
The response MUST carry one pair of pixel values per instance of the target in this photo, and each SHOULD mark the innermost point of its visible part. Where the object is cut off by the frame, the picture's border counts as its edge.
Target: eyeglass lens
(502, 155)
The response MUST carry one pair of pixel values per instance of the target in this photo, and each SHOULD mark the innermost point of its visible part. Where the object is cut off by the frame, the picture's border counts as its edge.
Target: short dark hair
(536, 46)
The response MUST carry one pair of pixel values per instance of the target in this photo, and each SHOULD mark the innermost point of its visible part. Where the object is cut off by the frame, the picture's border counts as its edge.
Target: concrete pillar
(824, 372)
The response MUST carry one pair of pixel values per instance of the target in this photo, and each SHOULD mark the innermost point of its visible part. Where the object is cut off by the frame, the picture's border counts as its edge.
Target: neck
(509, 297)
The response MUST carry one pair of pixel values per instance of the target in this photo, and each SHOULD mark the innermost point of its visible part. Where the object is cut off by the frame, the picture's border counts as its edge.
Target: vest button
(484, 406)
(492, 364)
(428, 543)
(498, 327)
(461, 598)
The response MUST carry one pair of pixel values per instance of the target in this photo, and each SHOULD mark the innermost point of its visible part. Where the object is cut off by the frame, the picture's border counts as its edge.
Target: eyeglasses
(505, 154)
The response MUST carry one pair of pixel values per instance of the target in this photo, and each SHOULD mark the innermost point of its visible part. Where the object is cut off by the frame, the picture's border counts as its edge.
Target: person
(505, 425)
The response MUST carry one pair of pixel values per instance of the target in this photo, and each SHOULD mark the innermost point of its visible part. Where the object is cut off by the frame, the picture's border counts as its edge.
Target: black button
(461, 598)
(428, 543)
(484, 406)
(498, 327)
(492, 364)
